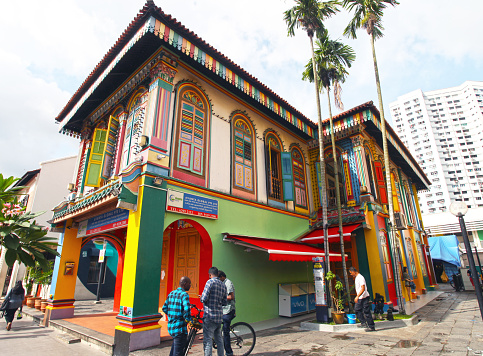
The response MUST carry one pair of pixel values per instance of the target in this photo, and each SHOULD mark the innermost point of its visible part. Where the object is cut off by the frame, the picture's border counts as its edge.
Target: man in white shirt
(363, 301)
(228, 311)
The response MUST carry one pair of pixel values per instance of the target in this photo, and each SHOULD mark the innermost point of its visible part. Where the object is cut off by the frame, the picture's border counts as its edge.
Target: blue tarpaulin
(445, 248)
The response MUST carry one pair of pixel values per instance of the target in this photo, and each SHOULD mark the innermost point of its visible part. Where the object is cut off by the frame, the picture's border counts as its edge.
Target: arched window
(385, 254)
(411, 261)
(134, 124)
(381, 182)
(370, 172)
(243, 153)
(298, 166)
(273, 149)
(191, 133)
(331, 181)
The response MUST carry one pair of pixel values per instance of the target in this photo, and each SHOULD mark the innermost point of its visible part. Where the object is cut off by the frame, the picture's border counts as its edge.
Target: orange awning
(281, 250)
(317, 236)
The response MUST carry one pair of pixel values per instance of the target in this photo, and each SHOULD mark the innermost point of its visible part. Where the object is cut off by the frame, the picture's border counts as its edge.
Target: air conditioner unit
(400, 222)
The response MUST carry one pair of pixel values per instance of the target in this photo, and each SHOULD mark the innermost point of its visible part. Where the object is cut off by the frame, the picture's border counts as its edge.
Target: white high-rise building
(443, 130)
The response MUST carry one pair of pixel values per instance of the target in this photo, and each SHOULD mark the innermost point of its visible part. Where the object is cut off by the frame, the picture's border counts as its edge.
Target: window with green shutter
(94, 167)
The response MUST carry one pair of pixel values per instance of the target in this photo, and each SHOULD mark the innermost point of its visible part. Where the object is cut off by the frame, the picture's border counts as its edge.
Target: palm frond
(367, 15)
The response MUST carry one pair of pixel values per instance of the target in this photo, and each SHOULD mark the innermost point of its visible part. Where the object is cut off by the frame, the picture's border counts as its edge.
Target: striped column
(62, 289)
(138, 315)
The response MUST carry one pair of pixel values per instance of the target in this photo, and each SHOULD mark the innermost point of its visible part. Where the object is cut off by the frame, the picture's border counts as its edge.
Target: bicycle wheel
(243, 338)
(189, 341)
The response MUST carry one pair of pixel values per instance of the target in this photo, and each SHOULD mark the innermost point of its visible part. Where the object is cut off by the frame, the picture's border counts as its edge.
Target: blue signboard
(111, 220)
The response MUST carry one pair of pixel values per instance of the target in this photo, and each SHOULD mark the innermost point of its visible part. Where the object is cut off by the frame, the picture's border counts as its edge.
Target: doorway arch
(187, 250)
(118, 242)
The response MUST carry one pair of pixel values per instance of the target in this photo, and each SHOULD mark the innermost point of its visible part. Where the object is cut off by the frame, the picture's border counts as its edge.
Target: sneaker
(9, 326)
(370, 329)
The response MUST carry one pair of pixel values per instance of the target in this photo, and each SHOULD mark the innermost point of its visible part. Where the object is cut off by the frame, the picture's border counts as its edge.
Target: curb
(102, 342)
(380, 325)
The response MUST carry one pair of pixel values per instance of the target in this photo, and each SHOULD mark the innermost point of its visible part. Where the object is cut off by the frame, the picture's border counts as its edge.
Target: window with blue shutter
(287, 176)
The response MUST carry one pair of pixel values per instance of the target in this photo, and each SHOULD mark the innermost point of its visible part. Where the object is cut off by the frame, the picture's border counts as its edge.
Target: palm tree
(368, 15)
(332, 58)
(310, 14)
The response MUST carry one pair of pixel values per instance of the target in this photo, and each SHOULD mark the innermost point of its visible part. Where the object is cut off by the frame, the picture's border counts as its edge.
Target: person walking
(13, 301)
(214, 297)
(407, 283)
(362, 300)
(177, 308)
(228, 311)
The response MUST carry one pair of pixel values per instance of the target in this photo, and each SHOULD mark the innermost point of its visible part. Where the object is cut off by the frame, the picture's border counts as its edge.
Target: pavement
(450, 323)
(27, 338)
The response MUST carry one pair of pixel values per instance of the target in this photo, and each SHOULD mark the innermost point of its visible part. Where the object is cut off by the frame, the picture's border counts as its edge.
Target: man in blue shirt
(213, 299)
(177, 308)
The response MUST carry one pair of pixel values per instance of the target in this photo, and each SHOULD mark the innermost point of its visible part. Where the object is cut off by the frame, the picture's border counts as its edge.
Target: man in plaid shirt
(177, 308)
(213, 298)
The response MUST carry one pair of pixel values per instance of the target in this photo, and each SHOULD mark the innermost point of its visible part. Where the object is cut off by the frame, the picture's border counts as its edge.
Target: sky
(49, 47)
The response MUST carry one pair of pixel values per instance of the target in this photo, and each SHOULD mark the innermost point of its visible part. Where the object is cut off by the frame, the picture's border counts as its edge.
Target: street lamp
(459, 209)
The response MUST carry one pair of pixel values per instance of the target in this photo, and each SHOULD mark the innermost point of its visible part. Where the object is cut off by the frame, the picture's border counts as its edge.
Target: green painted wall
(363, 259)
(255, 278)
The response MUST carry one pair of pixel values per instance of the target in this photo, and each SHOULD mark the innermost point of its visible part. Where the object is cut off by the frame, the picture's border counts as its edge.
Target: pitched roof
(244, 81)
(398, 152)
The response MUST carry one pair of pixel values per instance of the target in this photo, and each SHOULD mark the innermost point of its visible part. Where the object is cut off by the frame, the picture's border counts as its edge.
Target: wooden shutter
(395, 200)
(112, 130)
(381, 186)
(287, 176)
(96, 158)
(268, 173)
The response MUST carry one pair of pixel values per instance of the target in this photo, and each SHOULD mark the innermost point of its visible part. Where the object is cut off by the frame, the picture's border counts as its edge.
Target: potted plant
(337, 298)
(42, 277)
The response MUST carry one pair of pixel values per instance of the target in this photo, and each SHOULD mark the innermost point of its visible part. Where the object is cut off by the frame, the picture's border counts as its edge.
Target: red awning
(317, 236)
(281, 250)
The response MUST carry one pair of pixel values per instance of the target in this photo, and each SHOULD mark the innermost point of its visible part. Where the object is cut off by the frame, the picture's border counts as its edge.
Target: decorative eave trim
(105, 194)
(171, 32)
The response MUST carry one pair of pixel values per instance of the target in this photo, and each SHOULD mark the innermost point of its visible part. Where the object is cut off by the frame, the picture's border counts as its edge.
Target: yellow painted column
(375, 266)
(61, 301)
(138, 315)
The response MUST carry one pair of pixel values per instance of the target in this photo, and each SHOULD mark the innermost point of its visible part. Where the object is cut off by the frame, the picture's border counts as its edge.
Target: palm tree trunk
(337, 195)
(323, 191)
(397, 276)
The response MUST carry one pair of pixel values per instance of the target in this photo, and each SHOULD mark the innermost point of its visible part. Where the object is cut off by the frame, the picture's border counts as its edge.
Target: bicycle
(242, 335)
(457, 282)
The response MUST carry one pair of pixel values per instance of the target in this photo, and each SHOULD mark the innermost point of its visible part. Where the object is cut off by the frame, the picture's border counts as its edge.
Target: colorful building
(42, 189)
(187, 161)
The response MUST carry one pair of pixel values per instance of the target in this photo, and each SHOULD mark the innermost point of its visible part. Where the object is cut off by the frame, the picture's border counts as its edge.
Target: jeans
(227, 318)
(364, 312)
(179, 345)
(212, 330)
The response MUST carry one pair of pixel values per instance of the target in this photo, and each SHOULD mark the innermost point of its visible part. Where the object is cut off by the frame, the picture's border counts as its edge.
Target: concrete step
(103, 342)
(73, 332)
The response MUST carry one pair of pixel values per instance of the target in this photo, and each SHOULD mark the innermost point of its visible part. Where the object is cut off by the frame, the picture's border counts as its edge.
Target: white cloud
(50, 47)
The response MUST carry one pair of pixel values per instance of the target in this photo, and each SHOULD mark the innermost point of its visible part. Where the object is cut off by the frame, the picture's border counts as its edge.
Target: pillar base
(127, 341)
(58, 309)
